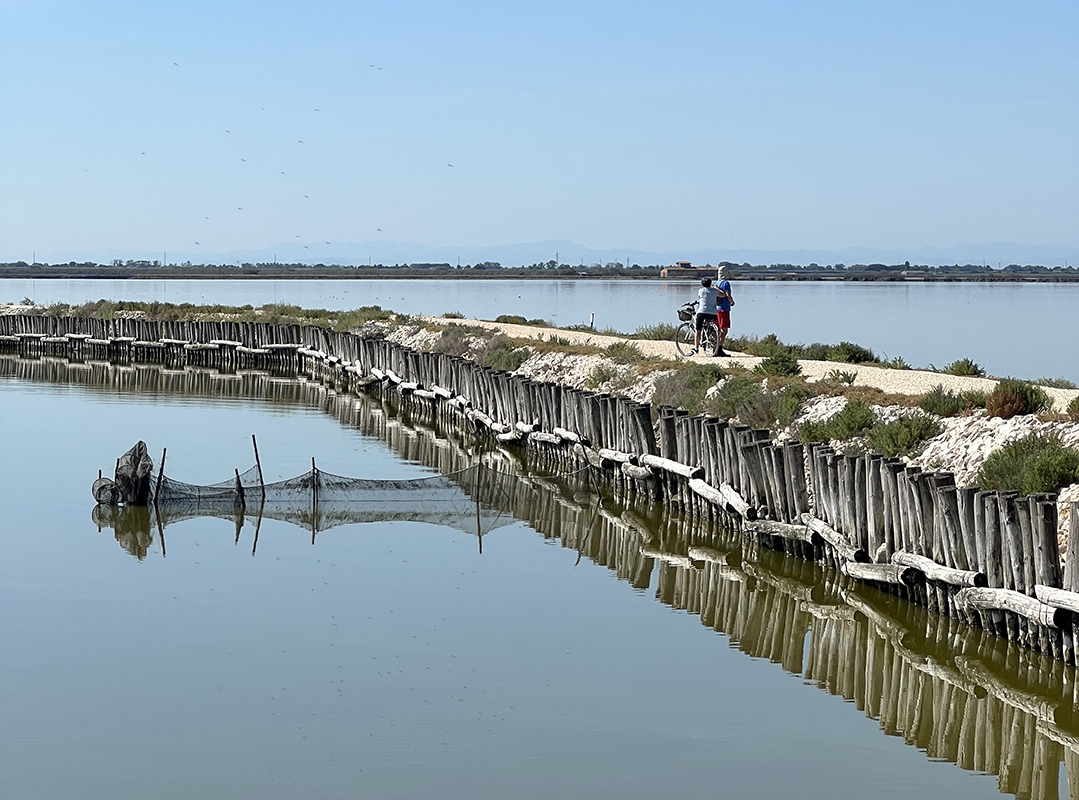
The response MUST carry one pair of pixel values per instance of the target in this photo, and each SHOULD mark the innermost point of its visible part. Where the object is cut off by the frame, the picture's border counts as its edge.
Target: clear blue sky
(663, 126)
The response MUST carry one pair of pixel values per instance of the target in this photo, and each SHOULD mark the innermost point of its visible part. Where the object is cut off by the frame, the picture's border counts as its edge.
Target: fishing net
(318, 500)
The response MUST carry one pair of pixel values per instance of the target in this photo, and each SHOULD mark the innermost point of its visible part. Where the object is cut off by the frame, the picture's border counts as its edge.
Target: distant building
(686, 270)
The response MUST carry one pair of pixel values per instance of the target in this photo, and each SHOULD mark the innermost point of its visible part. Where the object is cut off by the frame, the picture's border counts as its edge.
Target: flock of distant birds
(300, 141)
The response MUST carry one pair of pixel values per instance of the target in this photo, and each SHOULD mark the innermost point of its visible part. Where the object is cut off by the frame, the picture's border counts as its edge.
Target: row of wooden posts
(959, 694)
(990, 559)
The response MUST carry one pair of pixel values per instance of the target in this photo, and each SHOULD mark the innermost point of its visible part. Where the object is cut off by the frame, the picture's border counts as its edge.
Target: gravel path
(894, 381)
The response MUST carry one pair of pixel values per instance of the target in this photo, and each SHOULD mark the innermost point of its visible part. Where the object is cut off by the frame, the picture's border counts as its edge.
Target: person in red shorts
(723, 309)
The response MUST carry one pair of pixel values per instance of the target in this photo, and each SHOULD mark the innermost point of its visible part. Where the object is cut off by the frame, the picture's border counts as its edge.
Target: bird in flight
(175, 64)
(451, 165)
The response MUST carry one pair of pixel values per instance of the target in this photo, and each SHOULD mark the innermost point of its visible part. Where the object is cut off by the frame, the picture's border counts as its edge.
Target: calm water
(394, 660)
(1025, 330)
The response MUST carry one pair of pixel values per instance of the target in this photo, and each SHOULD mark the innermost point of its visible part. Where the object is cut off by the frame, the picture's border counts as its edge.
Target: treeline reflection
(958, 694)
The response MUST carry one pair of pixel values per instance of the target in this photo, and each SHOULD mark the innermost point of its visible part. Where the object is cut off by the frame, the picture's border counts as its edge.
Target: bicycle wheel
(683, 339)
(710, 339)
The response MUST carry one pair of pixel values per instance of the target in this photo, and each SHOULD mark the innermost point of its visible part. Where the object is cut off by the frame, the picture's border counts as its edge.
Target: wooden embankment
(986, 558)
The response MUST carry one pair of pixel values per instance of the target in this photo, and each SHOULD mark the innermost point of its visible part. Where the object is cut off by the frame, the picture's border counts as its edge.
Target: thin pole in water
(258, 466)
(314, 497)
(160, 475)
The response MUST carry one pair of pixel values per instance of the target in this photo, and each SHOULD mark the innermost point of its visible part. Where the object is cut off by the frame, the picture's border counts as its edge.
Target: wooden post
(160, 475)
(258, 466)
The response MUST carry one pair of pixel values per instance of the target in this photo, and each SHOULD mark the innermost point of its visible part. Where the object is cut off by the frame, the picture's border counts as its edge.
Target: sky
(212, 126)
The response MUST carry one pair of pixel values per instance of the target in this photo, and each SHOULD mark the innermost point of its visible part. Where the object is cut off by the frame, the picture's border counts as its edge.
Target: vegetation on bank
(1032, 465)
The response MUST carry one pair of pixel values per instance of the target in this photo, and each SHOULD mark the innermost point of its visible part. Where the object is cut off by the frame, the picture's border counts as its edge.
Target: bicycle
(685, 333)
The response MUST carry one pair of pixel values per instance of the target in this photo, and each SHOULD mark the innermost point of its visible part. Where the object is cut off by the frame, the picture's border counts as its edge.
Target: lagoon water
(1023, 330)
(396, 660)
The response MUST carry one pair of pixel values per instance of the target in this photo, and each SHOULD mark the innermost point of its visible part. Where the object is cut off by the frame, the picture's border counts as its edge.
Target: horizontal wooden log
(836, 540)
(367, 380)
(593, 457)
(736, 502)
(983, 599)
(445, 394)
(424, 394)
(785, 530)
(524, 427)
(566, 435)
(882, 573)
(378, 374)
(393, 377)
(617, 456)
(1057, 598)
(827, 611)
(639, 473)
(407, 387)
(1035, 705)
(667, 465)
(510, 436)
(938, 572)
(544, 438)
(670, 558)
(709, 554)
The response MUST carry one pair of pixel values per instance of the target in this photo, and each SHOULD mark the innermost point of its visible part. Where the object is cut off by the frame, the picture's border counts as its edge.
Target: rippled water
(395, 660)
(1016, 329)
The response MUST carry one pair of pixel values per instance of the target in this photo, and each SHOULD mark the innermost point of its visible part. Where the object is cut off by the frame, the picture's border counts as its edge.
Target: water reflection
(958, 694)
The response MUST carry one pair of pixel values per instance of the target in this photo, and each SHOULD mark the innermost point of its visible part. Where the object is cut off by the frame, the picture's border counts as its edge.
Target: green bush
(1013, 397)
(624, 353)
(1073, 409)
(851, 353)
(499, 353)
(965, 367)
(615, 378)
(896, 363)
(456, 340)
(661, 332)
(783, 364)
(511, 319)
(685, 387)
(453, 315)
(946, 403)
(1056, 383)
(840, 376)
(904, 436)
(855, 417)
(773, 410)
(732, 394)
(1034, 464)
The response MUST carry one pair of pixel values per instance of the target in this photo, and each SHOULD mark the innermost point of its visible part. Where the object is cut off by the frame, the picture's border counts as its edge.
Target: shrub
(896, 363)
(839, 376)
(966, 367)
(1073, 409)
(685, 387)
(511, 319)
(784, 364)
(453, 315)
(904, 436)
(772, 409)
(560, 341)
(946, 403)
(1012, 397)
(456, 340)
(1034, 464)
(769, 346)
(661, 332)
(732, 394)
(615, 378)
(1056, 383)
(855, 417)
(851, 353)
(499, 353)
(624, 353)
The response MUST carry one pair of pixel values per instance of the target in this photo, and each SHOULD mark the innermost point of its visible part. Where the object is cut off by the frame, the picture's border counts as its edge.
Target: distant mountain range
(572, 253)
